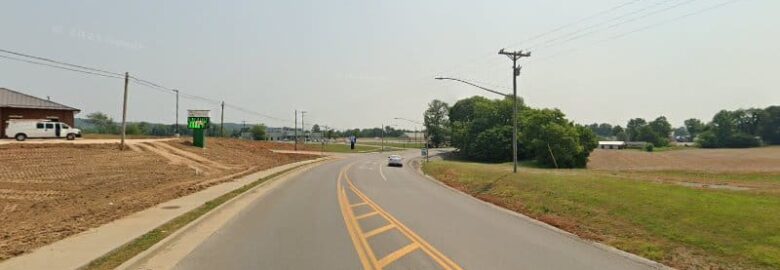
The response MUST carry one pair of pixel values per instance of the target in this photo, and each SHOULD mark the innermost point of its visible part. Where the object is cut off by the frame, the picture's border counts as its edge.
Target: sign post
(198, 121)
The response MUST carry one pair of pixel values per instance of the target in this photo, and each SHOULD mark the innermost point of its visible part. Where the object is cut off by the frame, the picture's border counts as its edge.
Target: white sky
(362, 63)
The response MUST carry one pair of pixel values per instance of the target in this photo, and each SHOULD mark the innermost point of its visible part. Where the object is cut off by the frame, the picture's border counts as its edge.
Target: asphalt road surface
(357, 213)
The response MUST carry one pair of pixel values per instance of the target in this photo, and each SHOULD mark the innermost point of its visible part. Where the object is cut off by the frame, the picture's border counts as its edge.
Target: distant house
(612, 144)
(16, 105)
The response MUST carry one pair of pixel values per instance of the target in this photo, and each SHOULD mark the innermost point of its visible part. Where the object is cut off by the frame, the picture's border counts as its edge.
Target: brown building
(15, 105)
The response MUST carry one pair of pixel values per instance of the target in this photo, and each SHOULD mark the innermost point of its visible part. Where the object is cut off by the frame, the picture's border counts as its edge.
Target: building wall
(17, 113)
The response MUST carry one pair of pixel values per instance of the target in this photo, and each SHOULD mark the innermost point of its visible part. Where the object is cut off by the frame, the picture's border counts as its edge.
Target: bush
(649, 147)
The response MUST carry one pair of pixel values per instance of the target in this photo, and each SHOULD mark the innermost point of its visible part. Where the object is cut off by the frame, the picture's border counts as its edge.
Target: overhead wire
(47, 62)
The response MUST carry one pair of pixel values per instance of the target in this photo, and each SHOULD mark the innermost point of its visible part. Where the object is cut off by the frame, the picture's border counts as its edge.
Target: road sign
(198, 122)
(424, 152)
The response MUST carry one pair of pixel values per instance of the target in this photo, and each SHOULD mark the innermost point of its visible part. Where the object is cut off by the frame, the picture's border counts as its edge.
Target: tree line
(727, 129)
(103, 124)
(481, 130)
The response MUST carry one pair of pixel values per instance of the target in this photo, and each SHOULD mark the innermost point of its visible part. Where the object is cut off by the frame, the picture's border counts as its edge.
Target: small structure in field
(612, 144)
(15, 105)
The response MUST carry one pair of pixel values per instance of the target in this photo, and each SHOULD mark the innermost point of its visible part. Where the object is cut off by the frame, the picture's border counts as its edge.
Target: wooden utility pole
(514, 56)
(124, 113)
(222, 121)
(176, 128)
(295, 130)
(303, 128)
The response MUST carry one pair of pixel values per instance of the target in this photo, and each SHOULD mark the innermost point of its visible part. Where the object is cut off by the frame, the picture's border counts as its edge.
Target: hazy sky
(361, 63)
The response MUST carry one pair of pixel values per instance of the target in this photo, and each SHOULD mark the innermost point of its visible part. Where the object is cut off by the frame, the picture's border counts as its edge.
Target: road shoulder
(417, 165)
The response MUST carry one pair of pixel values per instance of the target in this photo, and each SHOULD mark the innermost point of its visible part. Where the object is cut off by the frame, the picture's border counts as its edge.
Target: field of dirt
(51, 191)
(762, 159)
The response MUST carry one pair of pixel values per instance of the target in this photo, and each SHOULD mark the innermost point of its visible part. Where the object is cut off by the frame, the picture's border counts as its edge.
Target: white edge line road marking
(381, 173)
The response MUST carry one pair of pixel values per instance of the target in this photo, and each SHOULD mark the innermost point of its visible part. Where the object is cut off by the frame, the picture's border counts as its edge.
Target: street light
(514, 115)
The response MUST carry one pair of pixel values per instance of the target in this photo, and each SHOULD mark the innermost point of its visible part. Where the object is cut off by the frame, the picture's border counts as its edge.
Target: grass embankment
(115, 258)
(680, 226)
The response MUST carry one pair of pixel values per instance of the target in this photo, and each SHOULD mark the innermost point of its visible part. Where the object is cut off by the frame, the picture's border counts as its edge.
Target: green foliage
(649, 147)
(769, 125)
(102, 123)
(482, 131)
(694, 127)
(551, 139)
(732, 129)
(603, 130)
(656, 132)
(437, 122)
(258, 132)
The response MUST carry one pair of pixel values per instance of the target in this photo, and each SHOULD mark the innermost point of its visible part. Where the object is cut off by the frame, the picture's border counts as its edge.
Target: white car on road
(395, 160)
(23, 129)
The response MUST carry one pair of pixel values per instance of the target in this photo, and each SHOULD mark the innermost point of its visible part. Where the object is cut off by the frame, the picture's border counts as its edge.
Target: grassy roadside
(679, 226)
(397, 144)
(144, 242)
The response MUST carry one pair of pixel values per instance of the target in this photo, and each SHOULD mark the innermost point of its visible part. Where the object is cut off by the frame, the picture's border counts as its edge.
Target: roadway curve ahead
(357, 213)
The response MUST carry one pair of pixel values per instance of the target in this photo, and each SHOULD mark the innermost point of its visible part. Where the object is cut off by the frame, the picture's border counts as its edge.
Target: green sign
(197, 122)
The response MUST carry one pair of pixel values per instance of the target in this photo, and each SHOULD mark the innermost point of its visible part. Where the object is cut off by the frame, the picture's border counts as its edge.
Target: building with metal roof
(17, 105)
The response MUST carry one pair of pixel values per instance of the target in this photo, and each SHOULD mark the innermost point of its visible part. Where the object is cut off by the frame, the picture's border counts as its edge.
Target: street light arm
(477, 86)
(408, 120)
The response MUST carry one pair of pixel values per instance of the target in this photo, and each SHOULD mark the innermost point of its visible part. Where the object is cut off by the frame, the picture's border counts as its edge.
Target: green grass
(129, 250)
(117, 136)
(397, 144)
(344, 148)
(679, 226)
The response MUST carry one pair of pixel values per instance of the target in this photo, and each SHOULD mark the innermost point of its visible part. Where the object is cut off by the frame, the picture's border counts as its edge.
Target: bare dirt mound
(51, 191)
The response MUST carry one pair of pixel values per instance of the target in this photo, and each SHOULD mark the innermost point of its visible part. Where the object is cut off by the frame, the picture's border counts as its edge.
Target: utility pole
(303, 128)
(176, 129)
(222, 121)
(295, 130)
(514, 56)
(124, 113)
(383, 137)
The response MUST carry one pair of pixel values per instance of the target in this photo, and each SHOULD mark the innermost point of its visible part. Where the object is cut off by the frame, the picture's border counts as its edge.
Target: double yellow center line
(360, 237)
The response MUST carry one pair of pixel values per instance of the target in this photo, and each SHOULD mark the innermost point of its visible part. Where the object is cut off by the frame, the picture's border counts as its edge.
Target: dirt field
(51, 191)
(763, 159)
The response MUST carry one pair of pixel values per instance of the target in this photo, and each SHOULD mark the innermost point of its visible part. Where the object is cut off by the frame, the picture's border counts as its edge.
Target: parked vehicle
(395, 160)
(23, 129)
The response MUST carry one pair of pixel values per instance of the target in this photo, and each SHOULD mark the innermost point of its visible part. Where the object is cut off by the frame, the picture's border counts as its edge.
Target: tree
(632, 128)
(102, 123)
(258, 132)
(552, 140)
(619, 133)
(730, 129)
(436, 122)
(769, 125)
(315, 128)
(694, 127)
(661, 129)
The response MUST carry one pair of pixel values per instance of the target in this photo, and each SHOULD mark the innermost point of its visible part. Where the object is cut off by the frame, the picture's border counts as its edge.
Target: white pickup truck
(23, 129)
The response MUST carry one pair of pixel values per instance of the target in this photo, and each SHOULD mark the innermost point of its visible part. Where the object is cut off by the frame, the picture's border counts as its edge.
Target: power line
(59, 67)
(624, 22)
(640, 29)
(559, 28)
(108, 74)
(60, 62)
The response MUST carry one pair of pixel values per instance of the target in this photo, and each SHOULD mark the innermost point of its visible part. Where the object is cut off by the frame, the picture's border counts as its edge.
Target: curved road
(357, 213)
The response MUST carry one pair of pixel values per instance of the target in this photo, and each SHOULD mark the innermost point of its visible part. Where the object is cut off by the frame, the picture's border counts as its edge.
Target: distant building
(282, 133)
(612, 144)
(16, 105)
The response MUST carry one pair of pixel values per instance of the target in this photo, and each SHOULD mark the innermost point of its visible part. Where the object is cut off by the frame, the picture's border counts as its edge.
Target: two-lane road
(357, 213)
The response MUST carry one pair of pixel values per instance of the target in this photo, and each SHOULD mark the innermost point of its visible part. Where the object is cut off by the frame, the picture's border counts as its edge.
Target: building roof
(612, 143)
(12, 99)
